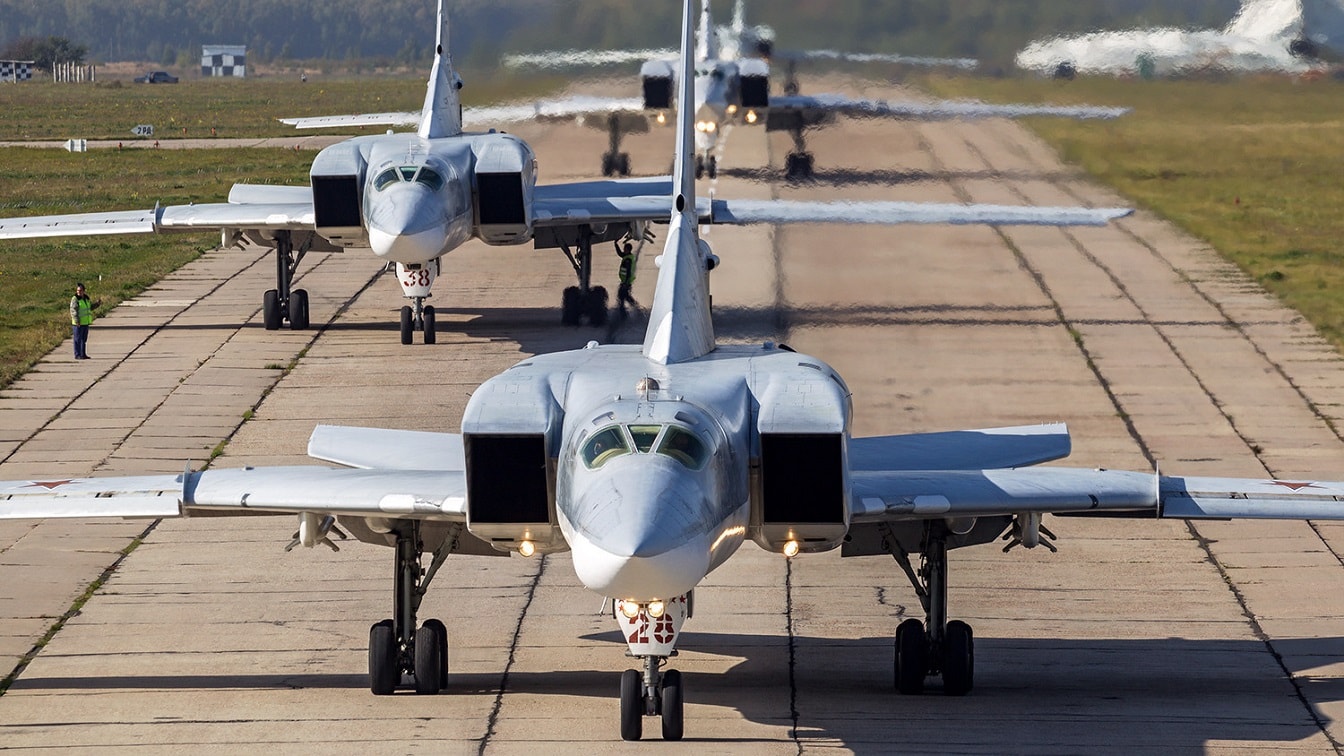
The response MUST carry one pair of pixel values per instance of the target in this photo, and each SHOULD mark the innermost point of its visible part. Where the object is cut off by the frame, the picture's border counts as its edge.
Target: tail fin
(739, 24)
(680, 327)
(442, 112)
(708, 47)
(1266, 19)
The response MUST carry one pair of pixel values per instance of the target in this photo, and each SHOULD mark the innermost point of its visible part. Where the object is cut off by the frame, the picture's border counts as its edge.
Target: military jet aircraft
(1265, 35)
(654, 463)
(732, 86)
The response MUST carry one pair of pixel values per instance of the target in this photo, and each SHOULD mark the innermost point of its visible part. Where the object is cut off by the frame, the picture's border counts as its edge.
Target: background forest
(392, 32)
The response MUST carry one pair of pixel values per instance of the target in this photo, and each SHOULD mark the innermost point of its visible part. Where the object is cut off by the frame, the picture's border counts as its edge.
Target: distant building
(16, 70)
(224, 60)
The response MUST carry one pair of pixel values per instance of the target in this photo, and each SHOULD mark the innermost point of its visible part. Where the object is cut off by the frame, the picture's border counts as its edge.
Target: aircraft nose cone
(640, 534)
(407, 224)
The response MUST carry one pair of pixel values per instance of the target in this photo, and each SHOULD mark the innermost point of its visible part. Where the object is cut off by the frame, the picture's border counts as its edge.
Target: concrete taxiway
(1138, 634)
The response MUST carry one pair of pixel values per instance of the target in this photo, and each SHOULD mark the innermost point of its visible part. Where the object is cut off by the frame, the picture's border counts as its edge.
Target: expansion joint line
(1204, 543)
(493, 720)
(793, 654)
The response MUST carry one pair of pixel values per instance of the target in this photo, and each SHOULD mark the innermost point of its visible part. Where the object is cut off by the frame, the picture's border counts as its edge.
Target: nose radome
(407, 224)
(640, 533)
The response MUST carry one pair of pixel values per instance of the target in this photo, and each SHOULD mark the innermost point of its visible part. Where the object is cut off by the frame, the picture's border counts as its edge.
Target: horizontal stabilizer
(585, 58)
(985, 449)
(385, 449)
(270, 194)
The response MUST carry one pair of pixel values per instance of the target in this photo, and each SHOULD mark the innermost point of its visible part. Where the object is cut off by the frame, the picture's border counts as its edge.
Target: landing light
(630, 609)
(656, 609)
(751, 116)
(662, 118)
(527, 549)
(791, 549)
(732, 109)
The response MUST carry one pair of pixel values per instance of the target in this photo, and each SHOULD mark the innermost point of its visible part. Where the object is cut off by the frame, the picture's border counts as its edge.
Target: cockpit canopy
(420, 174)
(675, 441)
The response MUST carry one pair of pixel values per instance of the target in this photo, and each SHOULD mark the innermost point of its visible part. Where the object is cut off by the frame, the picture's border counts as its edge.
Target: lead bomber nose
(640, 534)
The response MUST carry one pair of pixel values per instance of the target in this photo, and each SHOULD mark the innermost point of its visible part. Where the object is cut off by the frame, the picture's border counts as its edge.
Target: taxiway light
(630, 609)
(791, 549)
(527, 549)
(656, 609)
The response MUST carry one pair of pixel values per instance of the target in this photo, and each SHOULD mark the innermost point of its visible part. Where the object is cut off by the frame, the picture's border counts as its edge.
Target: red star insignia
(49, 484)
(1294, 486)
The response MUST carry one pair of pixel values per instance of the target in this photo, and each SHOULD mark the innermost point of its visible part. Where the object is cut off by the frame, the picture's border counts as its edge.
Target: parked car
(156, 77)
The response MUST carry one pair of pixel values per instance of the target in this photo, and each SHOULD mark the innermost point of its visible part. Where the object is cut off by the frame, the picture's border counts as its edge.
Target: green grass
(232, 107)
(1255, 167)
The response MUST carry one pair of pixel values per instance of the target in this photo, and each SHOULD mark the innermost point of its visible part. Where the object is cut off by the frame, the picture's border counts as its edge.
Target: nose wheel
(653, 693)
(417, 318)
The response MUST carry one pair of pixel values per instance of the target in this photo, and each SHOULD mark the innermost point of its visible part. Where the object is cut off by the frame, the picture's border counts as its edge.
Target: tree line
(171, 32)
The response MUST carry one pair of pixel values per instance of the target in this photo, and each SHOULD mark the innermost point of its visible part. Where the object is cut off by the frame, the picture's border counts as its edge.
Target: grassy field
(1253, 166)
(232, 107)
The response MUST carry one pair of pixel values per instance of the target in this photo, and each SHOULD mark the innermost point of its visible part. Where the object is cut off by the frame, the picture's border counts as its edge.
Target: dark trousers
(81, 334)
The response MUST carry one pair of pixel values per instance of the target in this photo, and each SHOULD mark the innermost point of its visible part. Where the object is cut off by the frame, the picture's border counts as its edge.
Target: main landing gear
(281, 303)
(938, 647)
(798, 164)
(583, 302)
(615, 162)
(653, 693)
(397, 650)
(705, 165)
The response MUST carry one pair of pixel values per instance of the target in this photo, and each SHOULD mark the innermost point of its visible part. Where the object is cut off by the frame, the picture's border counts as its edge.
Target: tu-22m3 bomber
(654, 463)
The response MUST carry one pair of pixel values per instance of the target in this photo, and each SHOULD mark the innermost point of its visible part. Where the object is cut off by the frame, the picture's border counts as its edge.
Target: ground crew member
(81, 315)
(627, 278)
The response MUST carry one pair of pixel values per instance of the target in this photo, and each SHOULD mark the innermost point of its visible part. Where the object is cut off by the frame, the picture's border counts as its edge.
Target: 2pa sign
(143, 130)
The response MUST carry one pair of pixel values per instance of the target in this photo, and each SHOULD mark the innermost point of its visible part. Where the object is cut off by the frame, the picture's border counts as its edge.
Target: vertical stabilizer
(680, 328)
(739, 24)
(442, 113)
(1266, 19)
(708, 44)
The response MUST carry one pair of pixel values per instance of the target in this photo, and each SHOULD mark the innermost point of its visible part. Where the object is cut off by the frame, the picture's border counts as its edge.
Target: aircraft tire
(430, 338)
(384, 672)
(632, 705)
(428, 667)
(442, 632)
(958, 659)
(597, 306)
(407, 325)
(608, 164)
(912, 657)
(571, 306)
(623, 164)
(298, 310)
(699, 167)
(671, 708)
(270, 310)
(713, 168)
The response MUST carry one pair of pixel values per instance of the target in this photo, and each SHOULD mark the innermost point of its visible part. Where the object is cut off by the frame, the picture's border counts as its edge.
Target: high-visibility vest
(81, 310)
(627, 274)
